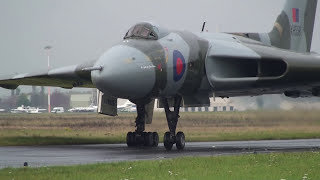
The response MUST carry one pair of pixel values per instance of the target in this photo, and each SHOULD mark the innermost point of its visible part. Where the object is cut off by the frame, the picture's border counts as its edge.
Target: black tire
(129, 139)
(148, 139)
(166, 141)
(144, 134)
(142, 138)
(133, 139)
(180, 138)
(155, 139)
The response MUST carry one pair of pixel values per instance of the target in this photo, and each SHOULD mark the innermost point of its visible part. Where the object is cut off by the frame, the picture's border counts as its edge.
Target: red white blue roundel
(179, 65)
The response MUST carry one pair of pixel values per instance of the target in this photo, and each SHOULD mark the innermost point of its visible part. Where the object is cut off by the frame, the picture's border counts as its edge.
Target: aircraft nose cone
(127, 73)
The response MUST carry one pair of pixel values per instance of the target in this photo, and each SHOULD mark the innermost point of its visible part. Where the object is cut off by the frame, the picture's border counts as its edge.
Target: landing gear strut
(171, 138)
(139, 137)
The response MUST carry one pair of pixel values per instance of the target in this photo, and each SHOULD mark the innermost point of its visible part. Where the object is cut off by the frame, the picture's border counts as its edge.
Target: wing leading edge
(65, 77)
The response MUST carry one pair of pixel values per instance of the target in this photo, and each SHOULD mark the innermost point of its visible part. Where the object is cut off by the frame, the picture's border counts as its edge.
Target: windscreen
(143, 31)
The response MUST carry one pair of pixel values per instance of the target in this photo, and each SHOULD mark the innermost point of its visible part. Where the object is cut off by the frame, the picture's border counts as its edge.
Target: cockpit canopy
(146, 31)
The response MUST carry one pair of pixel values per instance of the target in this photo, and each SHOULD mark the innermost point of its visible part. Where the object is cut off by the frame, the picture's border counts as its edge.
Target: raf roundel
(179, 65)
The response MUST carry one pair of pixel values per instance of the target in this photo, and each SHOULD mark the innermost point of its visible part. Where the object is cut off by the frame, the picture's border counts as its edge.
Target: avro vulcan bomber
(185, 69)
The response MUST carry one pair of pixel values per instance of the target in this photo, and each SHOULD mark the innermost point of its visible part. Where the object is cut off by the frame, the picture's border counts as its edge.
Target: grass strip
(277, 166)
(52, 137)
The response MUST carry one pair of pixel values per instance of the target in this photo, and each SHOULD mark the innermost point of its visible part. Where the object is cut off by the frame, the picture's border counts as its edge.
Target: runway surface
(37, 156)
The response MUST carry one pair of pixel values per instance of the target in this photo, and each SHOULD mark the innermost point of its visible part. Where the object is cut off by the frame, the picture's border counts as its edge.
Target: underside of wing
(65, 77)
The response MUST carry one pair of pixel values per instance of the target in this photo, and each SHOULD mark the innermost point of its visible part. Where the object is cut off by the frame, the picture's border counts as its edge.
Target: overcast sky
(81, 30)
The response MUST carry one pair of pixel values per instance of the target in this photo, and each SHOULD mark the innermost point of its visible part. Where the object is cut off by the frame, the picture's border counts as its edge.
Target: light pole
(48, 48)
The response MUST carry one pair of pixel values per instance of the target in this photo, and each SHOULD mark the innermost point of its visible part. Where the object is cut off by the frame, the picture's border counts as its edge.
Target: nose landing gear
(171, 138)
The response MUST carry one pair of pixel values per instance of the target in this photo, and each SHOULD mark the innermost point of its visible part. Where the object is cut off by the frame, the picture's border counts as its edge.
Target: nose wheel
(180, 140)
(171, 138)
(169, 141)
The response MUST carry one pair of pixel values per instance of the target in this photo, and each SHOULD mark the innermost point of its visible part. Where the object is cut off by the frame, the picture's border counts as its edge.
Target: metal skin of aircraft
(181, 68)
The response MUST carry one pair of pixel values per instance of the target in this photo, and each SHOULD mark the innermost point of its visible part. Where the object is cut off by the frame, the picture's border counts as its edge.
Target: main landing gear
(171, 138)
(139, 137)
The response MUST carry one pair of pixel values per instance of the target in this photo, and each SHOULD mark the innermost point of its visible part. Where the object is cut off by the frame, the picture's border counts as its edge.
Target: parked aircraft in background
(28, 109)
(35, 111)
(182, 68)
(2, 110)
(91, 108)
(127, 107)
(57, 110)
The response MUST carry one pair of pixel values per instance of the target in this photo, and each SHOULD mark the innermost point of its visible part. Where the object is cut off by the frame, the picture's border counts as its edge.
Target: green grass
(18, 137)
(50, 140)
(59, 137)
(252, 135)
(59, 129)
(289, 166)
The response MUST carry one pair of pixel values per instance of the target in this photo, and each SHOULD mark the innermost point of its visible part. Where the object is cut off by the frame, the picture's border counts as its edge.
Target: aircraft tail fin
(293, 28)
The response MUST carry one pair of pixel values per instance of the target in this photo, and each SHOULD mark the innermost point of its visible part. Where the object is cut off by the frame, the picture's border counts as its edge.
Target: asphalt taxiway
(37, 156)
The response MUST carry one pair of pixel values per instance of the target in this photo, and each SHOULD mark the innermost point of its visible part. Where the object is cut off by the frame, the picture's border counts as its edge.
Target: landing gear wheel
(144, 139)
(168, 144)
(134, 139)
(129, 142)
(171, 137)
(180, 138)
(131, 139)
(148, 139)
(155, 139)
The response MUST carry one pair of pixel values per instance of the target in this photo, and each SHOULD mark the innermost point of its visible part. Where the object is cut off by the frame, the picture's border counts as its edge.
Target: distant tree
(9, 103)
(59, 99)
(43, 99)
(36, 100)
(18, 91)
(23, 100)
